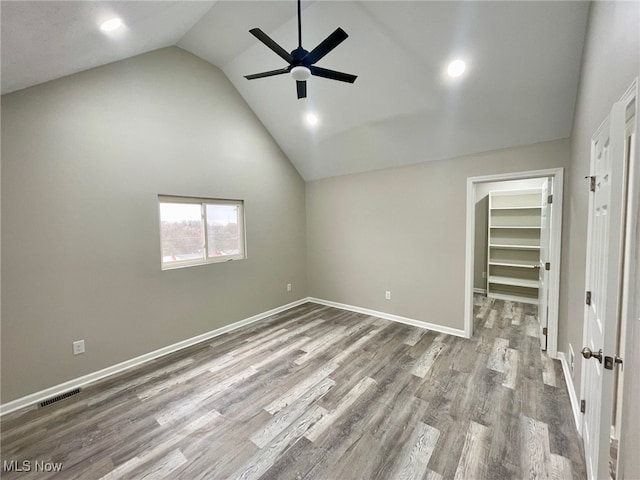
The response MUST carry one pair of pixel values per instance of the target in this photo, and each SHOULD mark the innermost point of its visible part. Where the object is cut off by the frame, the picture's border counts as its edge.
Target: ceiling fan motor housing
(299, 68)
(298, 57)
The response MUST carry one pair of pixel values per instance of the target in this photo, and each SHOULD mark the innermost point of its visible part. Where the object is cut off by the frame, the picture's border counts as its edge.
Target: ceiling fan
(301, 62)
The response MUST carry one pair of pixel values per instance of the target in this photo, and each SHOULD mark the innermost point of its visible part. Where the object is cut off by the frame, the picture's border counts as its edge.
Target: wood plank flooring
(318, 393)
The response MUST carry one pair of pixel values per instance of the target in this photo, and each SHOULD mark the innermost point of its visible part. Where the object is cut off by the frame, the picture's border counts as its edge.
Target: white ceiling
(523, 67)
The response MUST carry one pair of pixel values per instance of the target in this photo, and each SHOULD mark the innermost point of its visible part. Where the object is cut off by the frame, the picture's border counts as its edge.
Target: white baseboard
(575, 404)
(481, 291)
(389, 316)
(47, 393)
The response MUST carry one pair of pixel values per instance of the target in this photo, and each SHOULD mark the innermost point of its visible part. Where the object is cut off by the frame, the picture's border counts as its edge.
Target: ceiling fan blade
(266, 39)
(328, 44)
(270, 73)
(301, 86)
(332, 74)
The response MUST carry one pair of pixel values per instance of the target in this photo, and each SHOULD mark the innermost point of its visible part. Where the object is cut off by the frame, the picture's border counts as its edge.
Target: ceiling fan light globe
(300, 74)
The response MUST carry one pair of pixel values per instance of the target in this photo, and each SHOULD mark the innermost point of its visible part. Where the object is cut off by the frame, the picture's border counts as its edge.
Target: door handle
(587, 353)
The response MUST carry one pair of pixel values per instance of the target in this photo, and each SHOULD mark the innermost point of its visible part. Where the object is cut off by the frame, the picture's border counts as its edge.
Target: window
(194, 231)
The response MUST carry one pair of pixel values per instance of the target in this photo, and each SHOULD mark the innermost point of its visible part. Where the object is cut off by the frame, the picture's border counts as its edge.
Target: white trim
(555, 260)
(481, 291)
(41, 395)
(556, 239)
(390, 316)
(575, 404)
(36, 397)
(469, 259)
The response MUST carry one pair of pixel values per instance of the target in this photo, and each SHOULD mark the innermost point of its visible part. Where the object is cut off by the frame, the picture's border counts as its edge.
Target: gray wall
(482, 221)
(403, 230)
(610, 63)
(83, 160)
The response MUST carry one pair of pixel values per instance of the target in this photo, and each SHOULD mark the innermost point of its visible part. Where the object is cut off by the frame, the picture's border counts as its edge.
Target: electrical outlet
(484, 274)
(387, 295)
(288, 287)
(78, 347)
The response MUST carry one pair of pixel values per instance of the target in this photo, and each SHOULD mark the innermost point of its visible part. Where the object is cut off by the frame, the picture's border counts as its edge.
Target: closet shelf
(538, 207)
(538, 227)
(523, 264)
(516, 282)
(515, 298)
(515, 247)
(514, 234)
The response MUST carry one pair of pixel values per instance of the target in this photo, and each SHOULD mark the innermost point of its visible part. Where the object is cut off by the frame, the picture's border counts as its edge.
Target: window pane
(223, 230)
(181, 232)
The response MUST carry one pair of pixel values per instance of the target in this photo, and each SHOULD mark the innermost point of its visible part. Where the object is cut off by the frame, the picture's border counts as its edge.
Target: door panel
(604, 240)
(543, 273)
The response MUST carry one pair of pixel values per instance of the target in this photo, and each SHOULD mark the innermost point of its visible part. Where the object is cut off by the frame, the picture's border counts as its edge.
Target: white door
(604, 240)
(543, 287)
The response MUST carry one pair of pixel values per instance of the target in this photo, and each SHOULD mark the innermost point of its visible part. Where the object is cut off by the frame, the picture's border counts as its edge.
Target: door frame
(630, 313)
(631, 300)
(555, 252)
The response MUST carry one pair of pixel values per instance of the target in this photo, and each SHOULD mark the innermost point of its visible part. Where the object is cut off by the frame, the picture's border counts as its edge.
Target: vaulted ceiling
(523, 63)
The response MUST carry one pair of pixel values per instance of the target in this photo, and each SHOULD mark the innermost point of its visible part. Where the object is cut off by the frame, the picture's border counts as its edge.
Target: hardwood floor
(319, 393)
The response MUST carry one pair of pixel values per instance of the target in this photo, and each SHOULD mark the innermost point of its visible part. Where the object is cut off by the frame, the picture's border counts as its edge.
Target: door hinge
(550, 199)
(592, 183)
(547, 266)
(583, 406)
(588, 299)
(544, 330)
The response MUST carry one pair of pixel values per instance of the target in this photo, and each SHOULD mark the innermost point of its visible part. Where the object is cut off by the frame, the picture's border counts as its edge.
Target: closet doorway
(514, 225)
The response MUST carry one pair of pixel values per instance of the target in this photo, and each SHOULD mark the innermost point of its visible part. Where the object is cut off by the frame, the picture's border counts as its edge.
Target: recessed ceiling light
(456, 68)
(111, 24)
(311, 119)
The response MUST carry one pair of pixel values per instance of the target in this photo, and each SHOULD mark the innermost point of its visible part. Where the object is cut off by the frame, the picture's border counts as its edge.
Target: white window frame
(203, 202)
